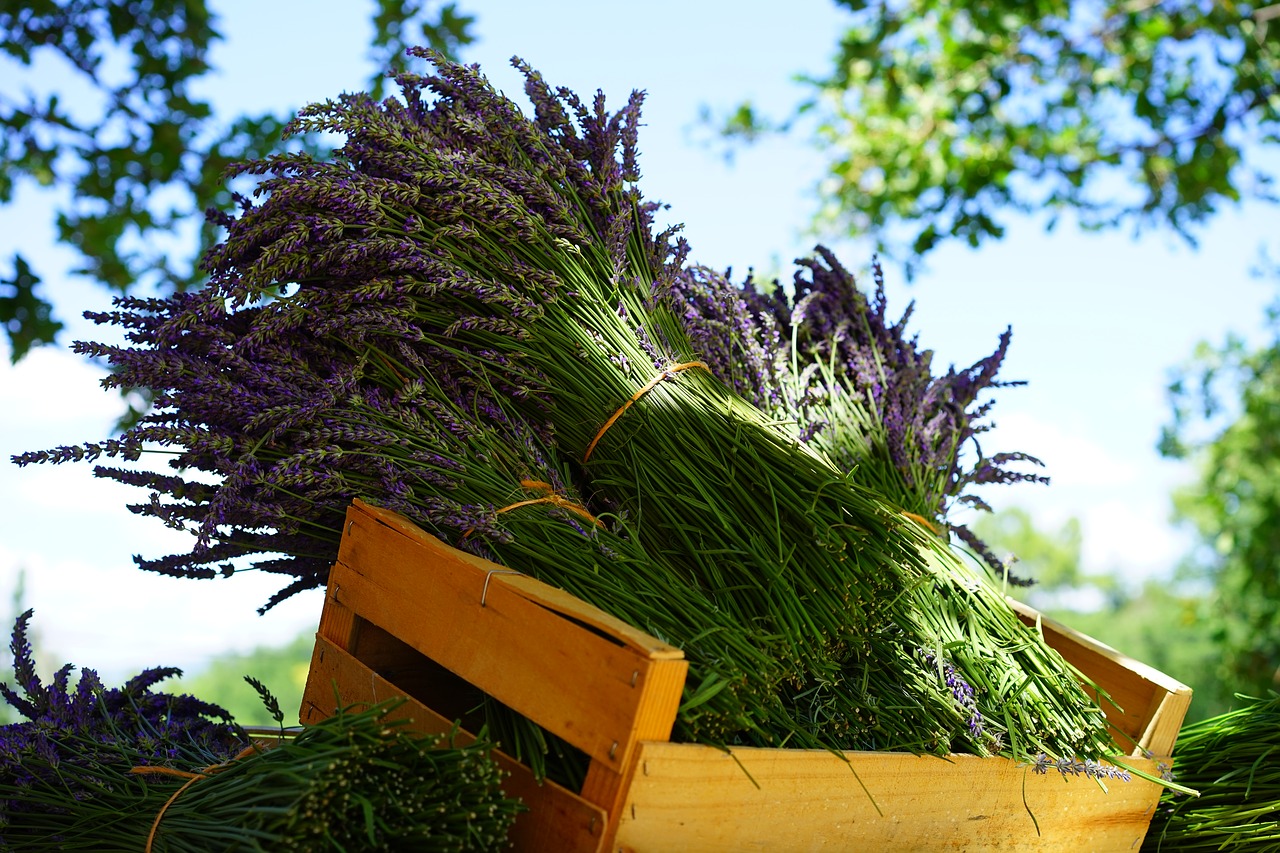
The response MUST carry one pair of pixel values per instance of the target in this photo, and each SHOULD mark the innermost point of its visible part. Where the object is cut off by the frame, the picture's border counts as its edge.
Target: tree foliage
(938, 117)
(284, 668)
(146, 158)
(1049, 559)
(1226, 419)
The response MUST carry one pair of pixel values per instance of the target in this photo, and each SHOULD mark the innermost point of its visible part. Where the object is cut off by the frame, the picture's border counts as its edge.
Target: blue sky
(1098, 320)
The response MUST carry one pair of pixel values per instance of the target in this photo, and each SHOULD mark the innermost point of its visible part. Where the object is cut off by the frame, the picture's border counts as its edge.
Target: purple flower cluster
(1088, 768)
(288, 386)
(909, 429)
(734, 331)
(277, 415)
(961, 691)
(89, 727)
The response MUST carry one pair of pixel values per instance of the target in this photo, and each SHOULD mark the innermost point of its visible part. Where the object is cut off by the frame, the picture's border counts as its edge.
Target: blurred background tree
(283, 669)
(1226, 421)
(148, 159)
(1051, 559)
(941, 118)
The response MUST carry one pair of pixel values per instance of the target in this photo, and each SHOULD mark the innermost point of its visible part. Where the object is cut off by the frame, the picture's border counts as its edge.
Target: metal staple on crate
(485, 591)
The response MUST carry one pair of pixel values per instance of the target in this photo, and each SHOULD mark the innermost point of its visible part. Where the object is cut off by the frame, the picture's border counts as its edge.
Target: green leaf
(27, 318)
(1056, 98)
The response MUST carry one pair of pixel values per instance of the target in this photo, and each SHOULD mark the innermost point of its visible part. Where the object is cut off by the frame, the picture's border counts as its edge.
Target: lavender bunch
(529, 240)
(921, 422)
(1233, 760)
(74, 742)
(857, 388)
(514, 260)
(127, 769)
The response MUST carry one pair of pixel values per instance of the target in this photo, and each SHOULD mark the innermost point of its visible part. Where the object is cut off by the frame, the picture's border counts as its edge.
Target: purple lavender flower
(961, 691)
(920, 422)
(91, 727)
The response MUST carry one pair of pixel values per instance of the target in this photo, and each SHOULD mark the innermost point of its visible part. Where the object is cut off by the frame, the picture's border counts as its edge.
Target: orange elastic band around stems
(922, 521)
(551, 497)
(669, 373)
(191, 778)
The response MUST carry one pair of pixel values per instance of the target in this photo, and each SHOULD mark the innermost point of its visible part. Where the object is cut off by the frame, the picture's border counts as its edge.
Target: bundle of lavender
(826, 357)
(469, 316)
(128, 769)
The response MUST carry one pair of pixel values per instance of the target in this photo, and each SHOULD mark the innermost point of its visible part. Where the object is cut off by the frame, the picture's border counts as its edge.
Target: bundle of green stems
(480, 300)
(355, 781)
(552, 281)
(1233, 760)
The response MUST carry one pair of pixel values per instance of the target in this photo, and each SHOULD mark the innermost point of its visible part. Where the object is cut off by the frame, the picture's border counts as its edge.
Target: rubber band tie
(550, 497)
(191, 778)
(669, 373)
(923, 522)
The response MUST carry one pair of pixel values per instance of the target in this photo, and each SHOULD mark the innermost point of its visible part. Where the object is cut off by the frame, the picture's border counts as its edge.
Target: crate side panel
(548, 596)
(1164, 724)
(696, 798)
(557, 818)
(580, 685)
(337, 623)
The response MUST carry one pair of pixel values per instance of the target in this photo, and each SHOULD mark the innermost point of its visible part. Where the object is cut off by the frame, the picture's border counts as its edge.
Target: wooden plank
(607, 786)
(1146, 708)
(1164, 723)
(337, 623)
(557, 818)
(550, 597)
(600, 690)
(697, 798)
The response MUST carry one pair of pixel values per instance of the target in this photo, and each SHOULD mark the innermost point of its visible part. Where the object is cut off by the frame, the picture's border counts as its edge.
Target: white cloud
(51, 388)
(1136, 541)
(1119, 496)
(1071, 457)
(72, 488)
(120, 620)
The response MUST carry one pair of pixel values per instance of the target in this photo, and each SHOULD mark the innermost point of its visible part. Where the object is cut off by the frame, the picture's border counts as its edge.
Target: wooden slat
(607, 786)
(337, 623)
(1164, 723)
(696, 798)
(600, 693)
(556, 600)
(557, 818)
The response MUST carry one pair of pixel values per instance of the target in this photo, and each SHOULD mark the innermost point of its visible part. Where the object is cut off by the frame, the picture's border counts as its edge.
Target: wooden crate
(406, 614)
